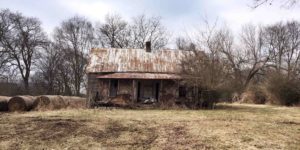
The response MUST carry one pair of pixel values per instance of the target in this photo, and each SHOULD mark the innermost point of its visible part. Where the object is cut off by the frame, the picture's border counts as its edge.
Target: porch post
(134, 90)
(160, 91)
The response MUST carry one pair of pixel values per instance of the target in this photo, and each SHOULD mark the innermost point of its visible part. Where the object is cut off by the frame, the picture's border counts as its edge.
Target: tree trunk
(26, 85)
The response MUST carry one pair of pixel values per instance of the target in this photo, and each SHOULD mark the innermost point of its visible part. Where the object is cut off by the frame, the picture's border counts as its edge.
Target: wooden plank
(134, 90)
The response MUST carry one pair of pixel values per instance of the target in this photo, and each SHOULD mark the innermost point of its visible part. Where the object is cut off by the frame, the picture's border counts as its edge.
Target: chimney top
(148, 46)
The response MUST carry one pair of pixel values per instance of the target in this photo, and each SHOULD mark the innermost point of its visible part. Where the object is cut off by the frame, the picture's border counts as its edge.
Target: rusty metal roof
(135, 60)
(138, 76)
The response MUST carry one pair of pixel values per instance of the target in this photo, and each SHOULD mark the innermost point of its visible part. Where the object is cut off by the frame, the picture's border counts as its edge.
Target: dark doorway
(148, 89)
(182, 91)
(138, 91)
(157, 91)
(113, 90)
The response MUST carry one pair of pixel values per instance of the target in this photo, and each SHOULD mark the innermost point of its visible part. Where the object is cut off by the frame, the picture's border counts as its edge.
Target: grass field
(230, 126)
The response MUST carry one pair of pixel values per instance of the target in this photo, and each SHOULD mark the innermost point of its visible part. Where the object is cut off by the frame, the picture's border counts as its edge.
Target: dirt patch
(57, 128)
(176, 136)
(119, 135)
(35, 131)
(248, 127)
(289, 123)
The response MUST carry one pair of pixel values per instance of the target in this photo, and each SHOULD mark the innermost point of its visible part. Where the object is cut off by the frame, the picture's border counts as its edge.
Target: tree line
(258, 58)
(262, 60)
(55, 64)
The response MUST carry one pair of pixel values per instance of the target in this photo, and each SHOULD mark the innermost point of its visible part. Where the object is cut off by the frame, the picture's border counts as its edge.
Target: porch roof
(139, 76)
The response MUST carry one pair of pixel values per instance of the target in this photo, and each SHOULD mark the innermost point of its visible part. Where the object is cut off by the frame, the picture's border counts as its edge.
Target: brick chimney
(148, 46)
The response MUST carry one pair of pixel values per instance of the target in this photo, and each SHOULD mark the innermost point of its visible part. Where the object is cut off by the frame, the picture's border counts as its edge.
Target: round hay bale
(21, 103)
(4, 103)
(74, 102)
(49, 102)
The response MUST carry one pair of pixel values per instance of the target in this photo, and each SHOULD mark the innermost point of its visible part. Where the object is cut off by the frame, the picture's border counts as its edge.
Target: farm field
(230, 126)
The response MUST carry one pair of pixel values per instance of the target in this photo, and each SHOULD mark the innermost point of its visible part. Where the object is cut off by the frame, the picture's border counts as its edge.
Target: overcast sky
(178, 15)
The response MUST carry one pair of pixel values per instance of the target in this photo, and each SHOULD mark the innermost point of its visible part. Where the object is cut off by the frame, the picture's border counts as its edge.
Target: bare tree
(21, 38)
(206, 64)
(276, 38)
(225, 46)
(114, 32)
(285, 3)
(74, 38)
(226, 64)
(292, 54)
(184, 44)
(48, 69)
(148, 29)
(283, 42)
(216, 42)
(257, 56)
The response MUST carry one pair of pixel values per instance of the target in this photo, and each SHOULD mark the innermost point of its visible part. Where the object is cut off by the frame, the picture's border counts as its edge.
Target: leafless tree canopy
(284, 3)
(114, 32)
(148, 29)
(218, 60)
(234, 65)
(118, 33)
(74, 38)
(59, 62)
(21, 37)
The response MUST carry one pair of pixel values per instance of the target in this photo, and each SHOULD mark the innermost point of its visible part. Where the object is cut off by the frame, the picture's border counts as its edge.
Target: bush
(283, 91)
(254, 94)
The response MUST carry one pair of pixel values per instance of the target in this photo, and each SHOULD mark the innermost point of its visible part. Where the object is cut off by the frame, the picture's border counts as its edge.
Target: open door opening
(138, 91)
(157, 88)
(113, 89)
(148, 90)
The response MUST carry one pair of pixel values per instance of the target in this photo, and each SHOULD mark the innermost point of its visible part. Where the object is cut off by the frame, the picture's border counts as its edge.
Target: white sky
(178, 15)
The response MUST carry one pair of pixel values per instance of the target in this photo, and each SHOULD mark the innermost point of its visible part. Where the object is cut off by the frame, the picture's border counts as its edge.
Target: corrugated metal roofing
(135, 60)
(138, 76)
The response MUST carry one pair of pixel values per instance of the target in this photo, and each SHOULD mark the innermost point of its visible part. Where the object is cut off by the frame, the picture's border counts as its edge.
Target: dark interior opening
(157, 91)
(139, 91)
(182, 91)
(147, 89)
(113, 90)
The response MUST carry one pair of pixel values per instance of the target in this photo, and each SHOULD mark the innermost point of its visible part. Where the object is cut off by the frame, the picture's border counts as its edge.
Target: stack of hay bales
(55, 102)
(49, 102)
(41, 103)
(21, 103)
(4, 103)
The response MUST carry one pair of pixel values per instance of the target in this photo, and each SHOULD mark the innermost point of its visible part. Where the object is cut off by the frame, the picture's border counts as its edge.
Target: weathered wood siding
(168, 88)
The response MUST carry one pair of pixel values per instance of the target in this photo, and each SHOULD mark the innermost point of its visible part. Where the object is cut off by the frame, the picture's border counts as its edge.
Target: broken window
(113, 91)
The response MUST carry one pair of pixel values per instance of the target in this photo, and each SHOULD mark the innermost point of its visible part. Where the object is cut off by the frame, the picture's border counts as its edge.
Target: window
(182, 91)
(113, 90)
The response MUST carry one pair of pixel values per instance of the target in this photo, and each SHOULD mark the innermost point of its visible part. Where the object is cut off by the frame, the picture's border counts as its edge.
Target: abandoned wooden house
(141, 74)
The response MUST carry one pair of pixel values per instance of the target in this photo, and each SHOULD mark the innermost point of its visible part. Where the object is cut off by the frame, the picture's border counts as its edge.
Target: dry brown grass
(231, 126)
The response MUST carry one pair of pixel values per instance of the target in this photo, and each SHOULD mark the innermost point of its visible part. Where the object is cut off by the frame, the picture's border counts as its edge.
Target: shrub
(254, 94)
(283, 91)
